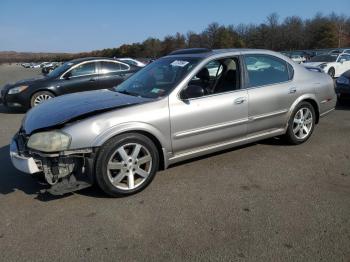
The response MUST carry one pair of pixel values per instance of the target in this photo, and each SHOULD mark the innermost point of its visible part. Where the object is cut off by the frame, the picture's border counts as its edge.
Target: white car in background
(339, 51)
(332, 64)
(298, 59)
(131, 61)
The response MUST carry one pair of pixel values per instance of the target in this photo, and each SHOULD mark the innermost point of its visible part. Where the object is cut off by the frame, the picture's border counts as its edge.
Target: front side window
(344, 57)
(159, 78)
(265, 70)
(83, 69)
(218, 76)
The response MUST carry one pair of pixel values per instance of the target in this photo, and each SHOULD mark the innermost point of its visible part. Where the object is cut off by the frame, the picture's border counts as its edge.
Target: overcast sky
(85, 25)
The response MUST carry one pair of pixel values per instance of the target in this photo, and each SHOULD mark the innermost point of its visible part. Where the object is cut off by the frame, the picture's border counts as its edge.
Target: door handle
(292, 90)
(92, 80)
(240, 100)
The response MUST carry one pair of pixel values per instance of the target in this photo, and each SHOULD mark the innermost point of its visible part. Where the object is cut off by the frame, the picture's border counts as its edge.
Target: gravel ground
(262, 202)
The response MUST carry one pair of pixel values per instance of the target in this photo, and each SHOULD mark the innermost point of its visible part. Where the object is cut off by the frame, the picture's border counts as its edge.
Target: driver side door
(208, 120)
(82, 77)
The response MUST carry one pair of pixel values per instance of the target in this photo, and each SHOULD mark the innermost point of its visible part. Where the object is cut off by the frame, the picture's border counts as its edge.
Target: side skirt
(222, 146)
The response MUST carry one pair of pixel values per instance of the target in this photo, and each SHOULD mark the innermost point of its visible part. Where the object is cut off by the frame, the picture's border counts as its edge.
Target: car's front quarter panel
(151, 117)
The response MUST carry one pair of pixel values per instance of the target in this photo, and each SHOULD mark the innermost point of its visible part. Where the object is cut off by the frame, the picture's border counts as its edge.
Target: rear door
(82, 77)
(271, 92)
(112, 73)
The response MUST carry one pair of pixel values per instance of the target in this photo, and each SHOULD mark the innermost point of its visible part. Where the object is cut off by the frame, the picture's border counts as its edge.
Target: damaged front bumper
(65, 172)
(22, 163)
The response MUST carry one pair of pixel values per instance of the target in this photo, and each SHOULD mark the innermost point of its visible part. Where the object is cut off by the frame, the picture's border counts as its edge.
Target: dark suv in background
(74, 76)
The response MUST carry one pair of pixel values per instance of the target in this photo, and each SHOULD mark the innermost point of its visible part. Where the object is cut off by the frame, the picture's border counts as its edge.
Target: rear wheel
(301, 124)
(126, 164)
(40, 97)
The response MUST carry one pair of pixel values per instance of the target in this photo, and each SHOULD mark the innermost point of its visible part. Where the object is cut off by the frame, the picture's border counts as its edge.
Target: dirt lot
(262, 202)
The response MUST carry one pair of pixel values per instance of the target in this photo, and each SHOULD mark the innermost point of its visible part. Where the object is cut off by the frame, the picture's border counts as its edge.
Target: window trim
(97, 68)
(247, 84)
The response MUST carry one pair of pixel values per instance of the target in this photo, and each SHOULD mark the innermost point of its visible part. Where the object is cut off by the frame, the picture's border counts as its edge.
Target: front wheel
(40, 97)
(331, 72)
(301, 124)
(126, 164)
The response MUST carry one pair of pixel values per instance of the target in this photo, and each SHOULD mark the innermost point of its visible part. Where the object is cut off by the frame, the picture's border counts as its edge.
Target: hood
(314, 64)
(63, 109)
(31, 80)
(26, 82)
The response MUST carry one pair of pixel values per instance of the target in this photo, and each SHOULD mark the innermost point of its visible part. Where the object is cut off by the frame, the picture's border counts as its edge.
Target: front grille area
(21, 140)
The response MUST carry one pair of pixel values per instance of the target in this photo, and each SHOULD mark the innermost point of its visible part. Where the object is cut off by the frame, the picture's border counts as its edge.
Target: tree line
(291, 33)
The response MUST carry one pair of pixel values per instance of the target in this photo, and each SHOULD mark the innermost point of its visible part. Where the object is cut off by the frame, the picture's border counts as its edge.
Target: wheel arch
(42, 90)
(153, 134)
(310, 98)
(316, 108)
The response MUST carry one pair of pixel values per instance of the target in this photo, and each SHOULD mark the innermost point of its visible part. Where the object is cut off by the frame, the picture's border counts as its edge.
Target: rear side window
(124, 67)
(266, 70)
(108, 67)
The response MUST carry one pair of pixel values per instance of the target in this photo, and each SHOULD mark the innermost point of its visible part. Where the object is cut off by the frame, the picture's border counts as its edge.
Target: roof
(203, 52)
(78, 60)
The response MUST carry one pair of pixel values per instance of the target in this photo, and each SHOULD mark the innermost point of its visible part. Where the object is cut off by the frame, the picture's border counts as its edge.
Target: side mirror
(342, 60)
(192, 91)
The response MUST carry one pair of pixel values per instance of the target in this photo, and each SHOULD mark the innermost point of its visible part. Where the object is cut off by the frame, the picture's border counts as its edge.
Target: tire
(300, 127)
(40, 97)
(118, 173)
(331, 72)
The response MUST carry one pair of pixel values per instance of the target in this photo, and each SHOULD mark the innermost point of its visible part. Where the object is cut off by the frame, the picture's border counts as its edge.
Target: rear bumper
(22, 163)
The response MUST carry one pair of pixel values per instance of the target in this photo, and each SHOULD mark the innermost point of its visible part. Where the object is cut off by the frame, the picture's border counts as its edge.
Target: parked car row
(78, 75)
(38, 65)
(332, 64)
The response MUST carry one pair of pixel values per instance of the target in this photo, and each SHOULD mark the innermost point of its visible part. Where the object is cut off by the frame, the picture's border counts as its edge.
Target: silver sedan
(187, 104)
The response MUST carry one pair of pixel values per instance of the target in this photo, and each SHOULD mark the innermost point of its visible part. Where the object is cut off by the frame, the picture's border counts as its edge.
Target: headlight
(52, 141)
(17, 89)
(323, 65)
(343, 80)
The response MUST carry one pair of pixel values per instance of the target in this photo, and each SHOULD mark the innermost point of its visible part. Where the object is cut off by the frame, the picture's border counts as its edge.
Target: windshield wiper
(125, 92)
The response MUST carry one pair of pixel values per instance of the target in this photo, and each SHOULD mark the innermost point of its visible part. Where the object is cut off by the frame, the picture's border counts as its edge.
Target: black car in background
(342, 87)
(74, 76)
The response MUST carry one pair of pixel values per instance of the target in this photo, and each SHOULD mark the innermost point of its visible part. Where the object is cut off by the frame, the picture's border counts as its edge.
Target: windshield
(158, 78)
(60, 70)
(324, 58)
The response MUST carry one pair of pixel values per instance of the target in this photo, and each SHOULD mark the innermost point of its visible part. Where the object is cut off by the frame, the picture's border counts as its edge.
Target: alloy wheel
(129, 166)
(41, 98)
(302, 123)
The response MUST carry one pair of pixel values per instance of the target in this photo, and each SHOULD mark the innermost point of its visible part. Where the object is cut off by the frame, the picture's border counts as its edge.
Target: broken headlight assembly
(51, 141)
